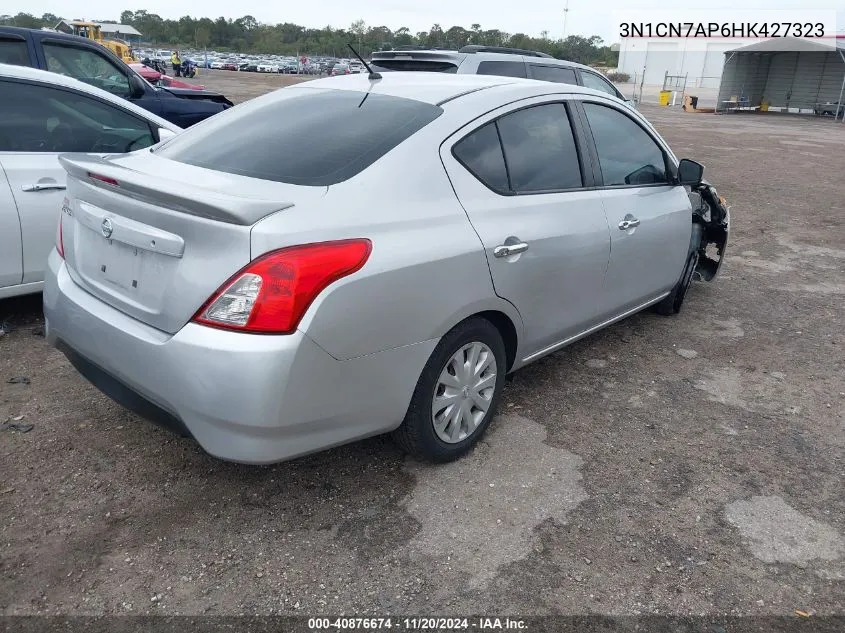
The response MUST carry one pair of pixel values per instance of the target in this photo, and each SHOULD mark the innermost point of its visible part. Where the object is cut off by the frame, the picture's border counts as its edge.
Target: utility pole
(565, 16)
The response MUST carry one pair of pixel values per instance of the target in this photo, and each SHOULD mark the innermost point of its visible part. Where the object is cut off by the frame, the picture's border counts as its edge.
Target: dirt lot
(687, 465)
(243, 86)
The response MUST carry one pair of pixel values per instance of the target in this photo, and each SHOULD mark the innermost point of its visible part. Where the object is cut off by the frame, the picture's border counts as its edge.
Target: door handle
(629, 223)
(506, 250)
(43, 186)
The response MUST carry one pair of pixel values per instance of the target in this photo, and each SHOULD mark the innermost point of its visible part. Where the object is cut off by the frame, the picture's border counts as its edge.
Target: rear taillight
(272, 293)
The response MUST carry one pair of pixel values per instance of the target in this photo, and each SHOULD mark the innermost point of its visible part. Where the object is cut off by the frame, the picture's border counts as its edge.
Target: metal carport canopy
(801, 72)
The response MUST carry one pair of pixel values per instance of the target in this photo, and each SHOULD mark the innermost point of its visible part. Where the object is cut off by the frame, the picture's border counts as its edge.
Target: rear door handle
(629, 223)
(506, 250)
(43, 186)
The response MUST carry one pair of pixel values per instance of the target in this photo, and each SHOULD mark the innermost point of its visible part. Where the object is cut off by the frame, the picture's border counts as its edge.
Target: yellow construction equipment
(91, 31)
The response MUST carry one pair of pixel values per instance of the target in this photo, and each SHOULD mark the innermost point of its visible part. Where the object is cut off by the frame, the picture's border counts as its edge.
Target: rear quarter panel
(427, 271)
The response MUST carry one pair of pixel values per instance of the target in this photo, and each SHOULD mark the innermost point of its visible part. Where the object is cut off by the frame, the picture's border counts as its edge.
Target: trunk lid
(155, 238)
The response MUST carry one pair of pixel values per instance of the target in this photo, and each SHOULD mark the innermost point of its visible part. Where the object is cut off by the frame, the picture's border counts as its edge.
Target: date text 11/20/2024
(418, 624)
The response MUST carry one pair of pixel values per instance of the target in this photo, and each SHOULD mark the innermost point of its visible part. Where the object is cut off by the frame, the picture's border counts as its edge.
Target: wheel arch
(503, 315)
(508, 331)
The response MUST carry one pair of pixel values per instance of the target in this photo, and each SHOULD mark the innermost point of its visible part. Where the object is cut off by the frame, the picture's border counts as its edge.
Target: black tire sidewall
(480, 330)
(685, 282)
(671, 303)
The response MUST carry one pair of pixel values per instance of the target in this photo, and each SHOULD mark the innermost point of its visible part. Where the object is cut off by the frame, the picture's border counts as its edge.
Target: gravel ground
(243, 86)
(685, 465)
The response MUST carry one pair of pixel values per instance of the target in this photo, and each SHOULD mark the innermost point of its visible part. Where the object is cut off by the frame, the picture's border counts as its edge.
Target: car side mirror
(136, 86)
(690, 172)
(165, 134)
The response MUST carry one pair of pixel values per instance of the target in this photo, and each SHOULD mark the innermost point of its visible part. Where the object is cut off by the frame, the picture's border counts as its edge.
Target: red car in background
(150, 74)
(156, 78)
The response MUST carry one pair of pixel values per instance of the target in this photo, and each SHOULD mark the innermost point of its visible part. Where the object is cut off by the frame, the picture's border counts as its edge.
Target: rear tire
(450, 409)
(672, 303)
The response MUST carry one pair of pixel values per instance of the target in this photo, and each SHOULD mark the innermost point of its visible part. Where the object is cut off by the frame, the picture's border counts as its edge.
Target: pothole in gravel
(750, 391)
(480, 512)
(777, 533)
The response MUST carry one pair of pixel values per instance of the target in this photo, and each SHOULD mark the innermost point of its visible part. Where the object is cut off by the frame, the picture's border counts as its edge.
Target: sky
(585, 17)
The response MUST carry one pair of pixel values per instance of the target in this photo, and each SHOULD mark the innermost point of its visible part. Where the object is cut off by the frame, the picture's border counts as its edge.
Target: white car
(43, 114)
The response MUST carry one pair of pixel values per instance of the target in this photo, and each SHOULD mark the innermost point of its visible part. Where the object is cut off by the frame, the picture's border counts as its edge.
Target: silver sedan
(354, 256)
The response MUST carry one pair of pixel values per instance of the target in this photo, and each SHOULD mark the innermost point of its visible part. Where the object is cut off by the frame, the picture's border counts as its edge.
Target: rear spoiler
(179, 196)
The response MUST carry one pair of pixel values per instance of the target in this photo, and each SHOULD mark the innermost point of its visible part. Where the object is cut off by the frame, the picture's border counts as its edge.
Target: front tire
(457, 393)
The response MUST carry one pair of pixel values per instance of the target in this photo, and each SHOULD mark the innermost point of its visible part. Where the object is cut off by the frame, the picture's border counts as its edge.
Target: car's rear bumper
(245, 398)
(122, 393)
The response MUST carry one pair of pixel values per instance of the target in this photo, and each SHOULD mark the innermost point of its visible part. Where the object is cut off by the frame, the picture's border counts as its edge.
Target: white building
(654, 57)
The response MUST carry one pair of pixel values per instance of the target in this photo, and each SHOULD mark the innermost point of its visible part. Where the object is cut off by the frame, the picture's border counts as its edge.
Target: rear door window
(503, 69)
(306, 137)
(540, 149)
(13, 51)
(555, 74)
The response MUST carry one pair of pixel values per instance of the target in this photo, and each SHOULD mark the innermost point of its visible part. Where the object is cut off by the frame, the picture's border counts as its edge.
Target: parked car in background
(42, 115)
(340, 69)
(150, 74)
(95, 65)
(157, 78)
(171, 82)
(232, 270)
(495, 60)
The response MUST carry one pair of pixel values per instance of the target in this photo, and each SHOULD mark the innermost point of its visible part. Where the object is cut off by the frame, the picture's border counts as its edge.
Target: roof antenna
(373, 75)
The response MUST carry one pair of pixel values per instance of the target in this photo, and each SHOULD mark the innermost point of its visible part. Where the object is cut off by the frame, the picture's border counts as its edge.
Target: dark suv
(494, 60)
(94, 64)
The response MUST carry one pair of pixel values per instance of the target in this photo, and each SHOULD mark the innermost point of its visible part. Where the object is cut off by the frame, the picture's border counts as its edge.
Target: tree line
(247, 35)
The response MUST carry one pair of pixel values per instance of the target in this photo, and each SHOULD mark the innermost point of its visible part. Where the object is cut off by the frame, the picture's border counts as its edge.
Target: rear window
(412, 65)
(312, 137)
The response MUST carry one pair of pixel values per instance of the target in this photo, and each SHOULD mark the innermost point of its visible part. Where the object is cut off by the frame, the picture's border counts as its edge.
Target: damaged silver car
(364, 254)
